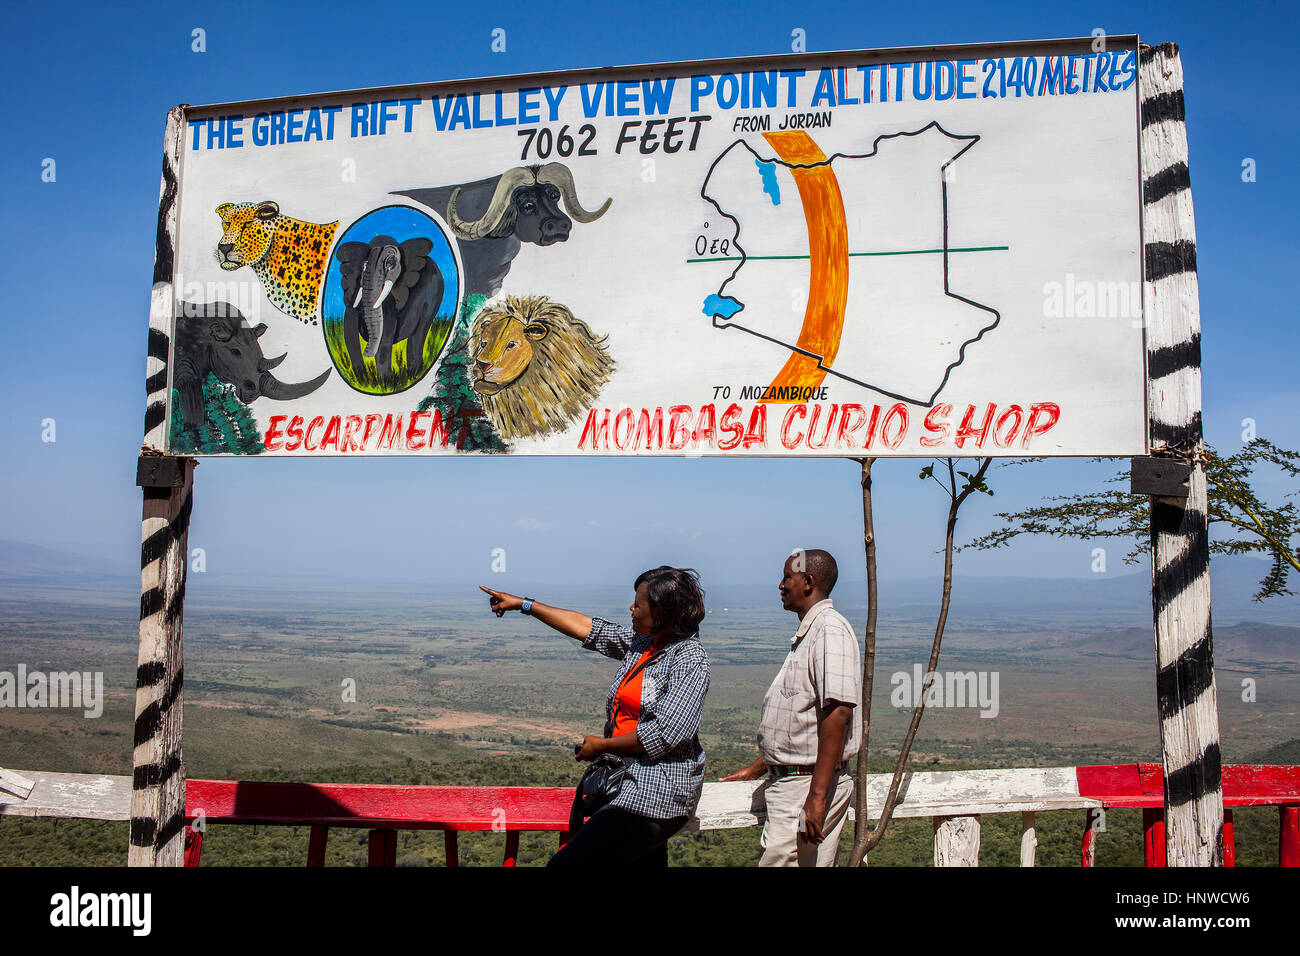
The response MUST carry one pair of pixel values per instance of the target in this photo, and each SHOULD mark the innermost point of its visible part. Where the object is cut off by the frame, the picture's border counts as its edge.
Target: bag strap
(641, 666)
(609, 724)
(575, 810)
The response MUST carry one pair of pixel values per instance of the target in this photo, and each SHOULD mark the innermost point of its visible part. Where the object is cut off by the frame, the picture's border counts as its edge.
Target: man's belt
(806, 770)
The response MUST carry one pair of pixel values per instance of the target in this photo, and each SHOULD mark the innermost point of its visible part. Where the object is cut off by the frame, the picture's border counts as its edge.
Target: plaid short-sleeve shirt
(665, 781)
(822, 665)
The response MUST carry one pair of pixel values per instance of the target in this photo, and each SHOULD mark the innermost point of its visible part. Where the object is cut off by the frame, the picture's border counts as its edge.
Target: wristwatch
(527, 606)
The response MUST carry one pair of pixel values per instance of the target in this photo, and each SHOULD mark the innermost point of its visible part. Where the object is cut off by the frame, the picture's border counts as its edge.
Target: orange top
(627, 702)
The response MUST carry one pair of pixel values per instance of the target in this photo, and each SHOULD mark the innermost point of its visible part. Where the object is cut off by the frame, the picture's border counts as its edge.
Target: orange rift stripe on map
(828, 249)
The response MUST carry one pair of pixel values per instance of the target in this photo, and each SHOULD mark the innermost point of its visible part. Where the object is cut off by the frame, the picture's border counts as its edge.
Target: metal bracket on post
(159, 471)
(1162, 477)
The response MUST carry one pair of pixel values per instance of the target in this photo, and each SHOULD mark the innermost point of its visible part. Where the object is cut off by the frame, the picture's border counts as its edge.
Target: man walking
(810, 728)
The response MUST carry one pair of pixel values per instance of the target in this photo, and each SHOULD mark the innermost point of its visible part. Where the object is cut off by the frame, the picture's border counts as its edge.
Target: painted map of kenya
(843, 260)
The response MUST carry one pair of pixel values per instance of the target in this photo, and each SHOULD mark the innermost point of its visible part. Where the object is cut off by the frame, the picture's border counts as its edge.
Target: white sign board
(924, 253)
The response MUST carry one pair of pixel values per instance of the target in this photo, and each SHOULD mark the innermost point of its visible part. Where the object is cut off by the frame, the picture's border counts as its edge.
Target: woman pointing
(652, 716)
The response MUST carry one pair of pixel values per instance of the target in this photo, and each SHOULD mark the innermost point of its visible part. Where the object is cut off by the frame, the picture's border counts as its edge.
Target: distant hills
(1287, 753)
(1112, 600)
(1233, 583)
(1239, 642)
(21, 562)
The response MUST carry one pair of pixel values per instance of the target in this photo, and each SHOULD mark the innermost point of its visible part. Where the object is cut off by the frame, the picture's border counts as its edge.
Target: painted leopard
(289, 255)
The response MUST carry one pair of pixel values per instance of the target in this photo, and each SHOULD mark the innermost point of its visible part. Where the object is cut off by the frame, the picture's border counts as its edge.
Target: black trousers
(615, 838)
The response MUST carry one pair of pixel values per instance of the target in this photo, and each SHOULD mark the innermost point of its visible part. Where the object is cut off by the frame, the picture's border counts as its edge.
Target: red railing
(1143, 785)
(385, 810)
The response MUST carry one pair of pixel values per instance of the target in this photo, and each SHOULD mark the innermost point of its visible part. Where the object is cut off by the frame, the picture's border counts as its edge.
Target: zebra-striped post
(1180, 555)
(158, 782)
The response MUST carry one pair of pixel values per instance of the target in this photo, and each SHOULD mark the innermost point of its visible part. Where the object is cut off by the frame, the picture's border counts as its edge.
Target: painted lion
(536, 368)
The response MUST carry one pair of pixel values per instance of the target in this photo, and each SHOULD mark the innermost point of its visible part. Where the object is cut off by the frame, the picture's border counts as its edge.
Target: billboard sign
(916, 252)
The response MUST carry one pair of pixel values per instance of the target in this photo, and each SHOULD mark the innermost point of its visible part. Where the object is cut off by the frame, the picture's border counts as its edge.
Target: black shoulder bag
(604, 777)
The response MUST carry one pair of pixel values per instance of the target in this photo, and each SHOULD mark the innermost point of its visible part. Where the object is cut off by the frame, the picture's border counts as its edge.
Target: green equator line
(903, 252)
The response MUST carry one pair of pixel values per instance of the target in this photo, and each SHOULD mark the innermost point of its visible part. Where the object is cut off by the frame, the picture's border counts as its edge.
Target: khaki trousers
(785, 797)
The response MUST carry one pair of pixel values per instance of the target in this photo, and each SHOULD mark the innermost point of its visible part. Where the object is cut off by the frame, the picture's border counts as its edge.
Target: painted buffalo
(493, 217)
(215, 337)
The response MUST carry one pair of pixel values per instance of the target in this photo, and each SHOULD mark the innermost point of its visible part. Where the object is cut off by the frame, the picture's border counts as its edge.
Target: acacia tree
(864, 841)
(1252, 525)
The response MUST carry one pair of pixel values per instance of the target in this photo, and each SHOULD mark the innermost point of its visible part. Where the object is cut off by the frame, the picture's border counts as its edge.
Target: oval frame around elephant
(401, 223)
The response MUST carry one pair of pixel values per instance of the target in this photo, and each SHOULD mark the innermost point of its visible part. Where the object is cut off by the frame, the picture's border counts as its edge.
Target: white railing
(955, 799)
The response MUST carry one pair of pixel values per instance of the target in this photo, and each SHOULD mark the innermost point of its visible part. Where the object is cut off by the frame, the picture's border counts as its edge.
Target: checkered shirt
(666, 780)
(822, 665)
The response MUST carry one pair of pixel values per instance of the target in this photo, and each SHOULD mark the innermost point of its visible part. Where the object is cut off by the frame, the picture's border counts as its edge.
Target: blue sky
(89, 87)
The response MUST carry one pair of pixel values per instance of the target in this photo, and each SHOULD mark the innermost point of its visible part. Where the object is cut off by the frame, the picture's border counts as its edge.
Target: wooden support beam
(383, 848)
(158, 779)
(1288, 836)
(1180, 550)
(193, 846)
(1153, 836)
(1028, 838)
(15, 784)
(451, 847)
(957, 841)
(512, 848)
(1091, 827)
(945, 793)
(316, 845)
(1229, 840)
(79, 796)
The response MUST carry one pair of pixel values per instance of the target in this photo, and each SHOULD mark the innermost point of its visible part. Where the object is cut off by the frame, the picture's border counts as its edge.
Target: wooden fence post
(1229, 840)
(1154, 842)
(1180, 554)
(1288, 836)
(1094, 822)
(1028, 838)
(158, 781)
(316, 846)
(957, 841)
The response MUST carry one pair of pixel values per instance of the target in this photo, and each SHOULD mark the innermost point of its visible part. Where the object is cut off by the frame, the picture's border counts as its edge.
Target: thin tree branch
(975, 482)
(858, 855)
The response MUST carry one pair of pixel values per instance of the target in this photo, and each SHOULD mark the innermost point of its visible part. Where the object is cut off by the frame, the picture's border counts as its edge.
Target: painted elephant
(215, 337)
(391, 293)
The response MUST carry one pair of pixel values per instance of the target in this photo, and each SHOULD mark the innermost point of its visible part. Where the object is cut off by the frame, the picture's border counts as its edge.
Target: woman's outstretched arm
(573, 624)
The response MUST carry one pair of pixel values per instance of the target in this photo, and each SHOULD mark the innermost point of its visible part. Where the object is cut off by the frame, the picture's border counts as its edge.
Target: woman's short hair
(676, 598)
